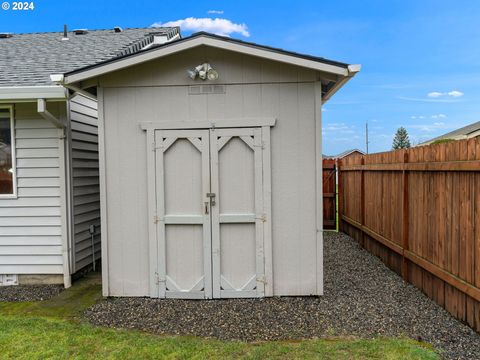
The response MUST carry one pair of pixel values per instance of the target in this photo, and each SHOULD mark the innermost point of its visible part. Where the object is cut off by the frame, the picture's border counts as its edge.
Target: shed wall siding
(84, 180)
(30, 225)
(255, 88)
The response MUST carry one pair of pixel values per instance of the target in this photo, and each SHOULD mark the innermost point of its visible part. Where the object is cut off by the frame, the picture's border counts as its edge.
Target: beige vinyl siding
(84, 180)
(30, 225)
(158, 91)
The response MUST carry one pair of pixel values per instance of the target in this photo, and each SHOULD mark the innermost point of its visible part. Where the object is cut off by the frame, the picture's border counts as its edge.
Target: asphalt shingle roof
(343, 154)
(30, 59)
(466, 130)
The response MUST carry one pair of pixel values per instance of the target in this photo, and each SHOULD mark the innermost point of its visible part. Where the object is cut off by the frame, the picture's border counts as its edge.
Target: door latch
(211, 196)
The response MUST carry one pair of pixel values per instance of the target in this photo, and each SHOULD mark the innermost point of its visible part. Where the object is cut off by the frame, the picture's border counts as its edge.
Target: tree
(401, 140)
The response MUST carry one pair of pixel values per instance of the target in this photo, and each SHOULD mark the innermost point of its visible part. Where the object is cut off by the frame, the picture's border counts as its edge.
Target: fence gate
(329, 195)
(210, 212)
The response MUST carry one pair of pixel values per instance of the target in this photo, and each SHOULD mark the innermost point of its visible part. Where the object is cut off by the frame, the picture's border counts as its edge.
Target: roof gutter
(59, 79)
(352, 71)
(29, 93)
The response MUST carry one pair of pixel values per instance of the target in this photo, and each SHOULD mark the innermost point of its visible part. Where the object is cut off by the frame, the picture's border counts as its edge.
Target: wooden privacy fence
(329, 194)
(419, 211)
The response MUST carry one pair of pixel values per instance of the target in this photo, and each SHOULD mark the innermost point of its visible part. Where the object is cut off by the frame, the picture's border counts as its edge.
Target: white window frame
(14, 155)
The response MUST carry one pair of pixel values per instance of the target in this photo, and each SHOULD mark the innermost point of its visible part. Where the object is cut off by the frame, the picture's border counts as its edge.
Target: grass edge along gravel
(29, 337)
(54, 329)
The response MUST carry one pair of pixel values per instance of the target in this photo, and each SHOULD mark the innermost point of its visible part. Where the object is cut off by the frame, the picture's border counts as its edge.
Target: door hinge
(155, 147)
(156, 219)
(262, 279)
(158, 279)
(262, 217)
(262, 145)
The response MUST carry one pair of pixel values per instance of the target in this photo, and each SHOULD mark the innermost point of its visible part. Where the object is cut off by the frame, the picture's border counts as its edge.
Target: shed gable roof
(30, 59)
(341, 72)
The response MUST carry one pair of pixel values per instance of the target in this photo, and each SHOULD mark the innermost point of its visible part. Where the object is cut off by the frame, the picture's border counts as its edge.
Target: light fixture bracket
(203, 72)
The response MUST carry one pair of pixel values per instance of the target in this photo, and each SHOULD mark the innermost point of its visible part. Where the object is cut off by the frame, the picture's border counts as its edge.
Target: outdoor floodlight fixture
(203, 72)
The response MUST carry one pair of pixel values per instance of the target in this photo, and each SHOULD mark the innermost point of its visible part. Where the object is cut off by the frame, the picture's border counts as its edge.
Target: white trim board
(175, 47)
(221, 123)
(319, 187)
(32, 92)
(13, 153)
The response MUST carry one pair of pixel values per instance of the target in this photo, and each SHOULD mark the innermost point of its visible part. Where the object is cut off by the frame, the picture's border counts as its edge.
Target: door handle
(206, 207)
(212, 198)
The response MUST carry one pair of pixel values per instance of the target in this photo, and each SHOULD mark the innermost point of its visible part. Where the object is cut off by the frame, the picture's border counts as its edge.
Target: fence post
(405, 225)
(340, 194)
(362, 199)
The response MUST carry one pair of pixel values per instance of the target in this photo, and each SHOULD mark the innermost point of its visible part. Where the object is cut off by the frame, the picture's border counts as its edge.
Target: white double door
(210, 213)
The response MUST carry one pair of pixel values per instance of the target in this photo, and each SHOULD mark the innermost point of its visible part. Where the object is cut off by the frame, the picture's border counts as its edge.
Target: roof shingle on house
(30, 59)
(344, 153)
(465, 132)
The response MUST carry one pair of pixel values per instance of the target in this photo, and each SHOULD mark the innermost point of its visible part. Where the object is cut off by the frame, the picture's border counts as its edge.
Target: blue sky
(420, 59)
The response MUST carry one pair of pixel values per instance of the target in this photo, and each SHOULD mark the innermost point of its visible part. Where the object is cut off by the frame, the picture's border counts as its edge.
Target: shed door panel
(183, 179)
(237, 217)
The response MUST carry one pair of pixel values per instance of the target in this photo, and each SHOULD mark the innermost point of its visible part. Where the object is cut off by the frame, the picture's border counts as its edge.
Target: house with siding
(49, 177)
(466, 132)
(351, 152)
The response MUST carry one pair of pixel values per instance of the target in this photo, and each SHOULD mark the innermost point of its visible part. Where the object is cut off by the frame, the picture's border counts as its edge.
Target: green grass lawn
(53, 330)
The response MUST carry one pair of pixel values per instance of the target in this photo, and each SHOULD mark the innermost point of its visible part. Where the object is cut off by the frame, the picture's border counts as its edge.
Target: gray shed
(210, 168)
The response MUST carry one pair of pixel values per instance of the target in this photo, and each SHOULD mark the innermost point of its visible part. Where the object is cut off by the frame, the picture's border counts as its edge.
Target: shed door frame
(156, 282)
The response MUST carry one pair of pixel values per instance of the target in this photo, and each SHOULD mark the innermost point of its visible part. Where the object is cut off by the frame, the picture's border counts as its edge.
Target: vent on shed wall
(8, 280)
(206, 89)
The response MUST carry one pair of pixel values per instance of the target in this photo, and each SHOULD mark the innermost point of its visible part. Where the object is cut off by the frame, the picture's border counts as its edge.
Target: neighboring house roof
(342, 71)
(345, 153)
(462, 133)
(29, 59)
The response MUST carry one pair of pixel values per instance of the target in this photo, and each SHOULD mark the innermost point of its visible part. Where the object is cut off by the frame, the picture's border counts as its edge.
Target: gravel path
(29, 292)
(362, 297)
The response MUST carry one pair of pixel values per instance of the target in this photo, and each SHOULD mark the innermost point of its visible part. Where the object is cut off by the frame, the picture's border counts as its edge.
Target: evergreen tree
(401, 140)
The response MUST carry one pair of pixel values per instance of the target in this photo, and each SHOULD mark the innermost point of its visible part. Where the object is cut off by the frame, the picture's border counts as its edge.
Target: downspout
(352, 70)
(60, 125)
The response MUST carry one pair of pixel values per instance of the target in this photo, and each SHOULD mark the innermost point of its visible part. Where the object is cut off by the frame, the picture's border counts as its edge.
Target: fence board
(329, 194)
(419, 211)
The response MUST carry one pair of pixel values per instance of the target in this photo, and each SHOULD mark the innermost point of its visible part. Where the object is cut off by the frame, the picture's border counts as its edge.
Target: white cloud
(438, 100)
(455, 93)
(430, 127)
(435, 94)
(215, 12)
(217, 26)
(434, 116)
(336, 127)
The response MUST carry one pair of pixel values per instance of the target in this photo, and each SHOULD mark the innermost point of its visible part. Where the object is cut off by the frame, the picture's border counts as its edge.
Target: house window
(7, 152)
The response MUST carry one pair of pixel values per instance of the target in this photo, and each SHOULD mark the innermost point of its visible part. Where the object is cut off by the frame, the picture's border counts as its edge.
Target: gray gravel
(29, 292)
(362, 298)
